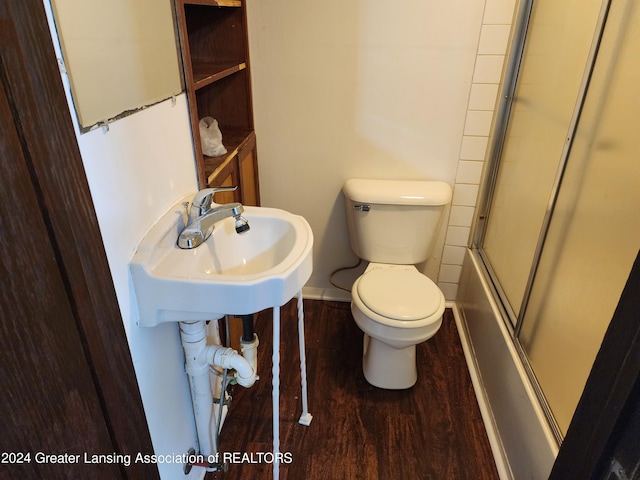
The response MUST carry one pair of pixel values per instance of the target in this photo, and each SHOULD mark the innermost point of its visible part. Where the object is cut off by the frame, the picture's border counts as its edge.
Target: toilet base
(388, 367)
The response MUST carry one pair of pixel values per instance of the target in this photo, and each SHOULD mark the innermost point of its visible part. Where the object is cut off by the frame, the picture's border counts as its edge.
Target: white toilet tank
(394, 221)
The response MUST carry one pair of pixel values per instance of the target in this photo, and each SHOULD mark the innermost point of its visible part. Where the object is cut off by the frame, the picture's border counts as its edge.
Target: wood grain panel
(49, 403)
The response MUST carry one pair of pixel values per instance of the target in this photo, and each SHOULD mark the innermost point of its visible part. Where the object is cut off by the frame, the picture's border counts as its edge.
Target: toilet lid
(399, 294)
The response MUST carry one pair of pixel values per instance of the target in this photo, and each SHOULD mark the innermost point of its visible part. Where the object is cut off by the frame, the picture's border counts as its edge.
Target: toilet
(392, 225)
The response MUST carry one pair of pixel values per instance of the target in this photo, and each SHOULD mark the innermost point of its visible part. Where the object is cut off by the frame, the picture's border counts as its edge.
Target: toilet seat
(400, 297)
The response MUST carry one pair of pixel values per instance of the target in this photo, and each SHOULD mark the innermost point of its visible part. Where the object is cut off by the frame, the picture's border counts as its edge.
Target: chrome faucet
(203, 213)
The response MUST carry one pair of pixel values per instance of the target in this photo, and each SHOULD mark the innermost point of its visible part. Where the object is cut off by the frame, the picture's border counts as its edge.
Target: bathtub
(523, 443)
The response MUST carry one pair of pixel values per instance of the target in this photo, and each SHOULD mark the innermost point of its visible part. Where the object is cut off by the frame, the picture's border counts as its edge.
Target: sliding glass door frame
(513, 319)
(497, 141)
(497, 144)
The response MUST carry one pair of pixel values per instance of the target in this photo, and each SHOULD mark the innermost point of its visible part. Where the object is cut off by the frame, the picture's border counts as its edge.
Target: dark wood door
(49, 403)
(67, 386)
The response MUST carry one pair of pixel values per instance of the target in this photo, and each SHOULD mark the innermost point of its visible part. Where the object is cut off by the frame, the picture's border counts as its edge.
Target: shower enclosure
(558, 223)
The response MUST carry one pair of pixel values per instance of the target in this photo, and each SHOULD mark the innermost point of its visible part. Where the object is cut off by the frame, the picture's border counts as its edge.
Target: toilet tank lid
(398, 192)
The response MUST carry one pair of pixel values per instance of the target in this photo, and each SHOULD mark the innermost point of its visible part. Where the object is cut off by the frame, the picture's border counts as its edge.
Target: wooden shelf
(214, 3)
(205, 73)
(216, 62)
(233, 140)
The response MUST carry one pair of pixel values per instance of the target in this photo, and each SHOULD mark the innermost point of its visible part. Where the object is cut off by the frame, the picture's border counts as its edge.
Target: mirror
(120, 55)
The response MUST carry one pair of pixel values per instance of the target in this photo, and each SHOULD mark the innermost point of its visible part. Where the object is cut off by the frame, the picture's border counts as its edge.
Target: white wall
(136, 170)
(369, 89)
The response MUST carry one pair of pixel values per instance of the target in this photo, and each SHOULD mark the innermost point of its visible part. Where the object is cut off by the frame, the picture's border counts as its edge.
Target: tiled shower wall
(494, 37)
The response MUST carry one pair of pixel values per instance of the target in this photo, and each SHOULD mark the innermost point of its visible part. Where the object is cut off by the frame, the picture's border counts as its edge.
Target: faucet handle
(203, 199)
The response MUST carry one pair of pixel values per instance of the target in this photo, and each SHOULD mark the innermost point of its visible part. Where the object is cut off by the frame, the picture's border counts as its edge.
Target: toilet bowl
(397, 308)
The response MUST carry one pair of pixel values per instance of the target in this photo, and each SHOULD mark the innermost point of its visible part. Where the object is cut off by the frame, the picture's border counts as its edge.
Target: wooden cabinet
(215, 53)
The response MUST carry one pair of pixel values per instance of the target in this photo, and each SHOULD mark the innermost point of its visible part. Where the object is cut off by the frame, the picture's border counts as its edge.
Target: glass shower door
(563, 222)
(594, 233)
(548, 85)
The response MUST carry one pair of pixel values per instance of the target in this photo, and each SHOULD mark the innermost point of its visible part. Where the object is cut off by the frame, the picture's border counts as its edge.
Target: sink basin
(228, 274)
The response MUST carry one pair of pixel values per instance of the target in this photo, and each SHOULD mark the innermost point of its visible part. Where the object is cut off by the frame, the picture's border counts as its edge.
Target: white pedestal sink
(228, 274)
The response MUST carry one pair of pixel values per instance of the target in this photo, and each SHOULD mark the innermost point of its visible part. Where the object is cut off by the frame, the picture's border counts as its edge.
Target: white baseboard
(330, 293)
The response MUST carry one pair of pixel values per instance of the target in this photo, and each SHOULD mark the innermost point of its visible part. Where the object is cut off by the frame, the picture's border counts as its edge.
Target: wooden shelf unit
(215, 54)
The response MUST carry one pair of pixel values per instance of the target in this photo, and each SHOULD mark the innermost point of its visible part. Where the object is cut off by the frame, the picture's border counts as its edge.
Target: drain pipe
(198, 356)
(250, 353)
(249, 342)
(247, 327)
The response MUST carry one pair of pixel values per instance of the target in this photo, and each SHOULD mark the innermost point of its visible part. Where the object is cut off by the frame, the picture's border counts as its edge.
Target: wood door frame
(31, 80)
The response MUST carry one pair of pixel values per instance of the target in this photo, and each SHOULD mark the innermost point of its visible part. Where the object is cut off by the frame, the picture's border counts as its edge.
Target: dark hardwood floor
(431, 431)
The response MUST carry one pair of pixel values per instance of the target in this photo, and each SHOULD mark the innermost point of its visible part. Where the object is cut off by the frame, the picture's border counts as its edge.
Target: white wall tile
(461, 216)
(473, 148)
(453, 255)
(492, 48)
(469, 172)
(465, 195)
(494, 39)
(478, 122)
(457, 236)
(499, 12)
(488, 69)
(450, 273)
(450, 290)
(483, 96)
